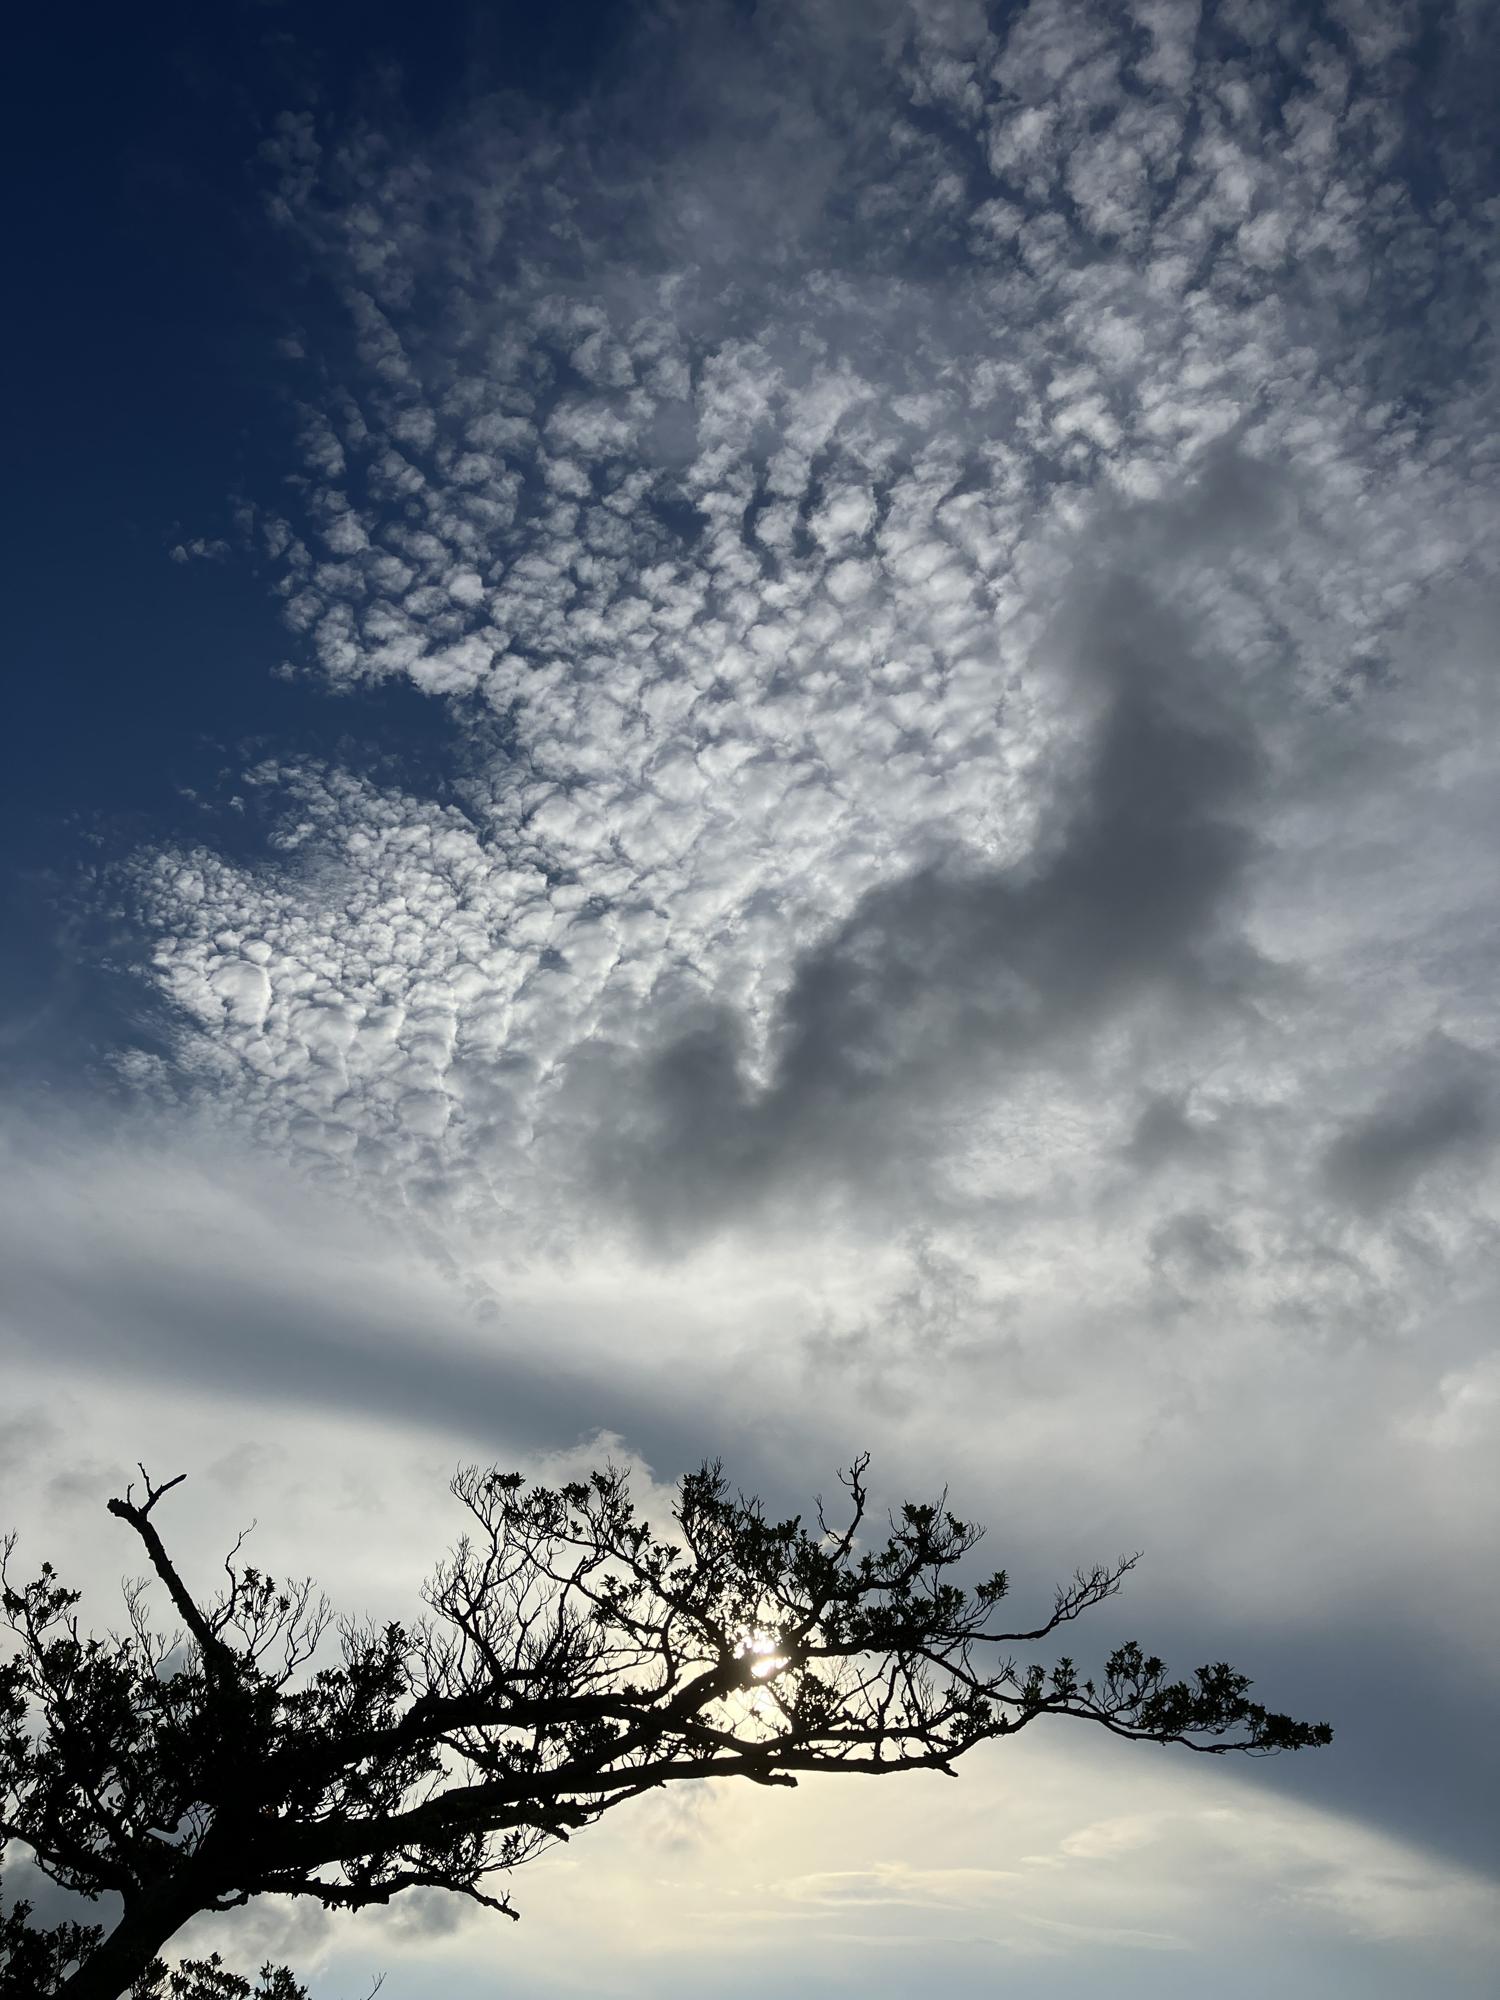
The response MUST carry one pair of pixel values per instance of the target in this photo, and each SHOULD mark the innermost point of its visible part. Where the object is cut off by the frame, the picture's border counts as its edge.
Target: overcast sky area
(765, 730)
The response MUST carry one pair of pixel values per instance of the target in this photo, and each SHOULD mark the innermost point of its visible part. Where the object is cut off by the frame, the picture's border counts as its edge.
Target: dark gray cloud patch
(1192, 1247)
(1165, 1134)
(952, 973)
(1443, 1110)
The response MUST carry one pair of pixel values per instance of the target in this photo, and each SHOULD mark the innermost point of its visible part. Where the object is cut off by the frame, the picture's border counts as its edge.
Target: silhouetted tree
(571, 1659)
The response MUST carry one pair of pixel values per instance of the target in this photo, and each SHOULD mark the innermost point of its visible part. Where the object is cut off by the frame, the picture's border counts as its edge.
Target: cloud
(1163, 1132)
(952, 903)
(216, 1275)
(780, 565)
(1441, 1110)
(206, 1304)
(949, 976)
(970, 755)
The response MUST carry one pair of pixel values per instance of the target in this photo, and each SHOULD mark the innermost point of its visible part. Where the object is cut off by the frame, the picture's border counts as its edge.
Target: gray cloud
(1131, 894)
(220, 1286)
(1165, 1133)
(1195, 1243)
(1440, 1111)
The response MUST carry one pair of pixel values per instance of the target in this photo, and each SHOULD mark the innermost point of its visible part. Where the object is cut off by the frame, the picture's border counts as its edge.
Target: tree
(569, 1659)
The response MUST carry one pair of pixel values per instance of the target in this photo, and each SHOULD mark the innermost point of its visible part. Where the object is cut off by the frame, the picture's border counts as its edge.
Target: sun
(762, 1647)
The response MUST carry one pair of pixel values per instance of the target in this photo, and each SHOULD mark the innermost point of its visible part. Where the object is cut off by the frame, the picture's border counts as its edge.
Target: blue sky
(768, 730)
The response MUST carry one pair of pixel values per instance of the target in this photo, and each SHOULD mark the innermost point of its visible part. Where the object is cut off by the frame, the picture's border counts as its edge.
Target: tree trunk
(123, 1956)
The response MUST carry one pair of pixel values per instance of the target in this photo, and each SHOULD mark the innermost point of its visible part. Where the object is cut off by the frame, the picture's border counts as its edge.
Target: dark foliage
(570, 1659)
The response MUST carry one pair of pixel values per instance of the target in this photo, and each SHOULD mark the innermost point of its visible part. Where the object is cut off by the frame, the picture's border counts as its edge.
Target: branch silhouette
(569, 1659)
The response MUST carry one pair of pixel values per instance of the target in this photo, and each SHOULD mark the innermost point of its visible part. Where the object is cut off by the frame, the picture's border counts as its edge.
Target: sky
(765, 730)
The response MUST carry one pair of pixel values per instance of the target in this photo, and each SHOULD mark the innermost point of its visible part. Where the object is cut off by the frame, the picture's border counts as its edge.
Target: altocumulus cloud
(870, 543)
